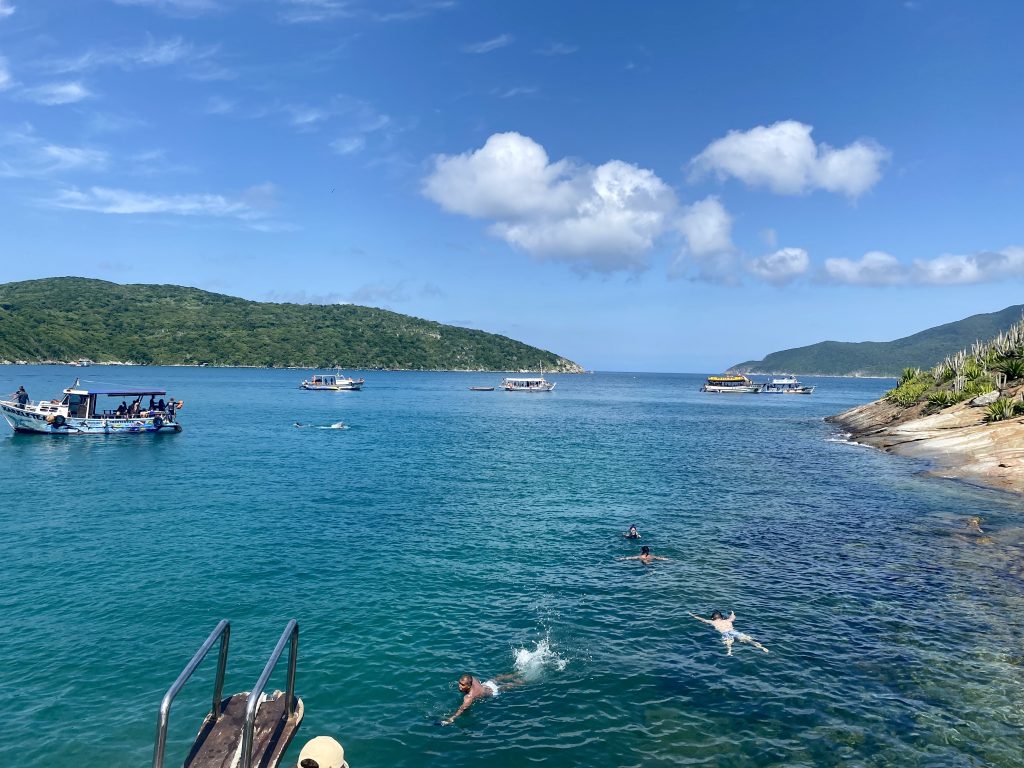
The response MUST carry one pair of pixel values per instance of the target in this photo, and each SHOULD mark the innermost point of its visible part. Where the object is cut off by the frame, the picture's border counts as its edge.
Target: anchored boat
(786, 384)
(531, 384)
(81, 412)
(333, 382)
(736, 383)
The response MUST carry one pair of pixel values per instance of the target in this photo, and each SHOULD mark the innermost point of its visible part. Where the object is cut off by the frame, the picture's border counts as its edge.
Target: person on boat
(152, 403)
(170, 407)
(122, 409)
(645, 556)
(161, 405)
(729, 635)
(21, 396)
(632, 533)
(472, 689)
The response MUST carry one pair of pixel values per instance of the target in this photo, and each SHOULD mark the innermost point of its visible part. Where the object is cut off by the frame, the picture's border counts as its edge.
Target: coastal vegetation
(886, 358)
(994, 369)
(68, 318)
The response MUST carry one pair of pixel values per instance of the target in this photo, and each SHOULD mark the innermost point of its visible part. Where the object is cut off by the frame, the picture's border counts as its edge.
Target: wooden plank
(217, 745)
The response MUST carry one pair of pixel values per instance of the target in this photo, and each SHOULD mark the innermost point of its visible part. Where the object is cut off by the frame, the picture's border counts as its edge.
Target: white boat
(528, 384)
(84, 362)
(785, 384)
(332, 382)
(734, 383)
(80, 412)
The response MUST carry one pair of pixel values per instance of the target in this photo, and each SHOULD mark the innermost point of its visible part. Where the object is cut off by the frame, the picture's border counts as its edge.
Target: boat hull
(354, 387)
(29, 422)
(730, 390)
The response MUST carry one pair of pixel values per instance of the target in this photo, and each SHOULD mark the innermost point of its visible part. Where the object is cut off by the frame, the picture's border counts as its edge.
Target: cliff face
(957, 439)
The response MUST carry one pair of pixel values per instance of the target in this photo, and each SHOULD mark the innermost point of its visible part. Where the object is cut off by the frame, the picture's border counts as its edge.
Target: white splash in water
(531, 664)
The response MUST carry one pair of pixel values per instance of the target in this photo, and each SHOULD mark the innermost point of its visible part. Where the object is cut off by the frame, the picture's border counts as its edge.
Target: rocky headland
(958, 440)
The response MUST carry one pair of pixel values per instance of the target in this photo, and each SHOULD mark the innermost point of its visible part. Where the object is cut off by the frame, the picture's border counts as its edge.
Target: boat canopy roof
(733, 377)
(527, 378)
(116, 392)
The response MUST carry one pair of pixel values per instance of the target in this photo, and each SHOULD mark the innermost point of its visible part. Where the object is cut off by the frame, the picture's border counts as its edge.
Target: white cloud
(878, 268)
(557, 49)
(519, 90)
(27, 155)
(348, 145)
(603, 218)
(252, 206)
(5, 74)
(6, 9)
(782, 266)
(199, 63)
(312, 11)
(489, 45)
(53, 94)
(874, 268)
(177, 7)
(784, 158)
(706, 227)
(983, 267)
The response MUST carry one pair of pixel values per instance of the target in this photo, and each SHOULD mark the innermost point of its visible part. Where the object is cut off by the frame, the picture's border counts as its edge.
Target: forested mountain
(885, 358)
(67, 318)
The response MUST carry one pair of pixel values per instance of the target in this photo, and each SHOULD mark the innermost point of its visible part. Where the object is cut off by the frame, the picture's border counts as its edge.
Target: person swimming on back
(632, 533)
(645, 556)
(472, 689)
(729, 635)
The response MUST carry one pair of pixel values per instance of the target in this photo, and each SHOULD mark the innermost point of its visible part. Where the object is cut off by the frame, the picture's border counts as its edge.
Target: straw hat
(322, 752)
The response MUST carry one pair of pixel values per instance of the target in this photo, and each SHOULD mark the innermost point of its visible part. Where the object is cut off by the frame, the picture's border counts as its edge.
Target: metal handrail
(291, 632)
(223, 631)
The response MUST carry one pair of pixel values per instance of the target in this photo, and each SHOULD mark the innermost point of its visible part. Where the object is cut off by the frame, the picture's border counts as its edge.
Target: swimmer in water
(974, 524)
(472, 689)
(632, 533)
(729, 635)
(645, 556)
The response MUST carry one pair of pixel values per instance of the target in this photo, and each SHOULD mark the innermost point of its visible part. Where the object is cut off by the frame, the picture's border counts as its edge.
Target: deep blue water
(446, 531)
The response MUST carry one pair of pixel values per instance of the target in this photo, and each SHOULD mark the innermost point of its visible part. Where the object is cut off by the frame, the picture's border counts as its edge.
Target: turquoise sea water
(447, 531)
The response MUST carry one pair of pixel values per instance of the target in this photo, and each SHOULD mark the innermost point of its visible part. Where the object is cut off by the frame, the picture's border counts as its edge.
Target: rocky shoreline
(957, 440)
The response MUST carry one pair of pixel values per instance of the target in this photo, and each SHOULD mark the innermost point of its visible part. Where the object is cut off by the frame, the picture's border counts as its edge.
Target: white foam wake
(531, 664)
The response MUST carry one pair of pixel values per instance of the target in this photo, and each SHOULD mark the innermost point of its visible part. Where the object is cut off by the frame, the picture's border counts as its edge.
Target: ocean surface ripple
(445, 531)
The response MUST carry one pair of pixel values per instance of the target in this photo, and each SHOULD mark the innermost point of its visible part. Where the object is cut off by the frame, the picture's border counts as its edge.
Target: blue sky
(660, 186)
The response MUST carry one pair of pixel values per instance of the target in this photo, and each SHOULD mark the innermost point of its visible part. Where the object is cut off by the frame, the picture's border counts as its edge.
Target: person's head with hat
(322, 752)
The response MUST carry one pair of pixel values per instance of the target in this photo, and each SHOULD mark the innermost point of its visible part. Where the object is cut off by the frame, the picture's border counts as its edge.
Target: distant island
(71, 318)
(885, 358)
(965, 414)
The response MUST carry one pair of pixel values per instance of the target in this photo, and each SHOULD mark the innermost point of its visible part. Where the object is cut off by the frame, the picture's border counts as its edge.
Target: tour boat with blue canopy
(81, 412)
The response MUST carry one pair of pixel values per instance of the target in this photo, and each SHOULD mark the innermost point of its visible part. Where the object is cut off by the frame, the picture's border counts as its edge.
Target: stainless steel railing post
(291, 633)
(222, 631)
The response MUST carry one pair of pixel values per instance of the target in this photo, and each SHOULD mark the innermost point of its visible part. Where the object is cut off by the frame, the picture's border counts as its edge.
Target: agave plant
(909, 374)
(1011, 367)
(1003, 408)
(942, 399)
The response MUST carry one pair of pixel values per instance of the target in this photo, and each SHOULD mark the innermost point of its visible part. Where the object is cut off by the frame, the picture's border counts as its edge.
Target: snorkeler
(645, 556)
(472, 689)
(632, 533)
(974, 524)
(729, 635)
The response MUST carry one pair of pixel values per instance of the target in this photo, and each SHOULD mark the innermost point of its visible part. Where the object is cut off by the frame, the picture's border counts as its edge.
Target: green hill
(885, 358)
(67, 318)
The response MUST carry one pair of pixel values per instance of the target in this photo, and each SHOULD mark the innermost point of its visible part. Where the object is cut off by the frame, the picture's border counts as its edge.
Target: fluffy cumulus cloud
(873, 268)
(878, 268)
(782, 266)
(602, 218)
(706, 228)
(784, 158)
(983, 267)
